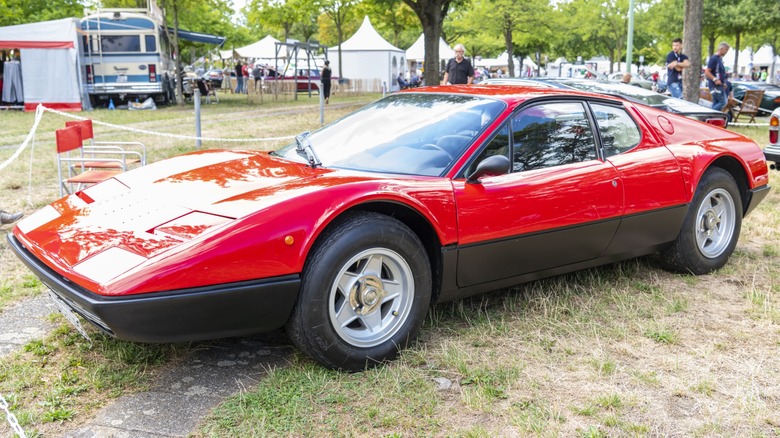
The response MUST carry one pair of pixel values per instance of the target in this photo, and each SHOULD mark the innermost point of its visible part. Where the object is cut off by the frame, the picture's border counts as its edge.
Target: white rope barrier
(30, 138)
(163, 134)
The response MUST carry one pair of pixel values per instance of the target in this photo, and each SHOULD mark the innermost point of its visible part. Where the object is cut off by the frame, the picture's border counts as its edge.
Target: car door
(560, 204)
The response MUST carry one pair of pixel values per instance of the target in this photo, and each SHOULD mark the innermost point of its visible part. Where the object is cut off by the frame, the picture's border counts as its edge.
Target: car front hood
(156, 207)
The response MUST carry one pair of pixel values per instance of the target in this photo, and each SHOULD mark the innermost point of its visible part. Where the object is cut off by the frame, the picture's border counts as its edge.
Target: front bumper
(207, 312)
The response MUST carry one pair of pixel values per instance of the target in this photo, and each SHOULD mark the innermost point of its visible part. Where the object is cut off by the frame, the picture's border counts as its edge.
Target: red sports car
(349, 234)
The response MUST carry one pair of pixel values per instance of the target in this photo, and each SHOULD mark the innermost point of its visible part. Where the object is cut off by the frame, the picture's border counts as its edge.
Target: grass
(621, 350)
(63, 378)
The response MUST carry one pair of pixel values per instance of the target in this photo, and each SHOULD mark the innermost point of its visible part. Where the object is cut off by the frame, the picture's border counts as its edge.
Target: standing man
(676, 61)
(716, 74)
(459, 69)
(239, 77)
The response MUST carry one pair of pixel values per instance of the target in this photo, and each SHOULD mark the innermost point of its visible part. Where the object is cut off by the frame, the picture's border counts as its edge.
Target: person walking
(716, 74)
(239, 77)
(245, 72)
(459, 69)
(325, 76)
(676, 61)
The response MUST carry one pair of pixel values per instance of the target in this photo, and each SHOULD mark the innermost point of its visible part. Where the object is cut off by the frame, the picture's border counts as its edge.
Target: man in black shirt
(716, 74)
(459, 69)
(676, 61)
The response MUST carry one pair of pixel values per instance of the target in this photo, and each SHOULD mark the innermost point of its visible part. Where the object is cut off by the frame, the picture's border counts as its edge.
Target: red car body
(218, 243)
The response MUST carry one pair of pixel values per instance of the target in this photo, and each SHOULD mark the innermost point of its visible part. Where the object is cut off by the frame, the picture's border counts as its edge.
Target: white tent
(50, 67)
(366, 55)
(264, 49)
(417, 50)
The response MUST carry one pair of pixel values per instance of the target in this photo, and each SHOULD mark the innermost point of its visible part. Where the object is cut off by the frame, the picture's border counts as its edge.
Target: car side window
(498, 145)
(551, 134)
(619, 132)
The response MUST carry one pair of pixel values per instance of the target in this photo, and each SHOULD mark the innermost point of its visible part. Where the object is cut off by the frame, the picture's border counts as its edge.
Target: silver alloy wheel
(371, 297)
(715, 223)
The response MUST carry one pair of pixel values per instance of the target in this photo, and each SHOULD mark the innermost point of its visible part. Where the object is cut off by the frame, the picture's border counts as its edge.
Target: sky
(237, 6)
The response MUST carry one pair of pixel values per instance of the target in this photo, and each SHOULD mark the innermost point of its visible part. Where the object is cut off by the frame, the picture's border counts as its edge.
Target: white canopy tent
(417, 50)
(366, 55)
(748, 60)
(264, 49)
(50, 67)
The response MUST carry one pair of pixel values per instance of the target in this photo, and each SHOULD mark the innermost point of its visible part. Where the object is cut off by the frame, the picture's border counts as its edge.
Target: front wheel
(711, 229)
(364, 294)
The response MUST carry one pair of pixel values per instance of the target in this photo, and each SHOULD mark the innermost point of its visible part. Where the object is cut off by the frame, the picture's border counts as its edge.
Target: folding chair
(106, 147)
(704, 93)
(751, 101)
(69, 144)
(206, 90)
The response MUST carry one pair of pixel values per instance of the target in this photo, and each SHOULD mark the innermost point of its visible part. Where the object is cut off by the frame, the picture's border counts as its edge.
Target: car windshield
(406, 133)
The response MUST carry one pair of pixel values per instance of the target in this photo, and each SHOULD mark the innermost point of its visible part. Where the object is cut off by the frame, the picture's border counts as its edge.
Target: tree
(29, 11)
(694, 10)
(395, 21)
(338, 11)
(431, 14)
(277, 15)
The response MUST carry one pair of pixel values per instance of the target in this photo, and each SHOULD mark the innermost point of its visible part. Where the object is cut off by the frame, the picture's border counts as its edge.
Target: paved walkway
(25, 321)
(182, 395)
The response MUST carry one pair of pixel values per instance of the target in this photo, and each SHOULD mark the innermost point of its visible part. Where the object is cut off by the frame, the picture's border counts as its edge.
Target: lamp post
(630, 42)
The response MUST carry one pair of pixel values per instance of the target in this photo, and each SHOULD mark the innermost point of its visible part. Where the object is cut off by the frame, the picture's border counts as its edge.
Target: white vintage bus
(126, 56)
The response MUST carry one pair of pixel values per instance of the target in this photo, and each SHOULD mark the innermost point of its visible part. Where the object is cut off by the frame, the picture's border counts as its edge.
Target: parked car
(214, 76)
(629, 92)
(347, 235)
(304, 78)
(769, 101)
(636, 80)
(772, 150)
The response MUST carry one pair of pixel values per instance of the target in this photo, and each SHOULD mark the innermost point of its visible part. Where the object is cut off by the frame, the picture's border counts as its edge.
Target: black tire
(371, 273)
(711, 229)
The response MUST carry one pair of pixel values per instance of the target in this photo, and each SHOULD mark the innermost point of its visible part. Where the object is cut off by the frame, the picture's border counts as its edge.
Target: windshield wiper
(306, 150)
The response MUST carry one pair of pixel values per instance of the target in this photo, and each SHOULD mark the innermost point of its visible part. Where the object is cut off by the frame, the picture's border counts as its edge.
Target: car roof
(509, 93)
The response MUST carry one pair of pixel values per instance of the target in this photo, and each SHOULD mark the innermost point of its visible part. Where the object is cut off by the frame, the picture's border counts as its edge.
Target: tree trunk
(510, 50)
(431, 14)
(341, 39)
(736, 54)
(179, 76)
(711, 44)
(694, 11)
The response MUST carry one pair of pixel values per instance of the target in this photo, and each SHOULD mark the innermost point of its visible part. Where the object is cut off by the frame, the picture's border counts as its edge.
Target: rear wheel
(711, 228)
(365, 291)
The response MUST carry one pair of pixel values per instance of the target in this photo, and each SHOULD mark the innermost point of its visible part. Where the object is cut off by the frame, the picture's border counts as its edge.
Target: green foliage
(30, 11)
(393, 19)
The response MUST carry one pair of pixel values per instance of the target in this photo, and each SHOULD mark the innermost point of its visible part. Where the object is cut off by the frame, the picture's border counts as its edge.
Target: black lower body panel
(200, 313)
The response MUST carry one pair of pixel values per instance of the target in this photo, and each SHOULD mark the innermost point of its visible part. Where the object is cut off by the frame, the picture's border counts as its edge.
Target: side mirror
(493, 165)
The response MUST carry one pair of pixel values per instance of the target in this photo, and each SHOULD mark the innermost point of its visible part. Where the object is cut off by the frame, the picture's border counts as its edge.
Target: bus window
(150, 45)
(121, 43)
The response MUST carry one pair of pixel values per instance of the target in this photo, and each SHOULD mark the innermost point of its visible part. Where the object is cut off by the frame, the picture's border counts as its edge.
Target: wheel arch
(410, 217)
(737, 171)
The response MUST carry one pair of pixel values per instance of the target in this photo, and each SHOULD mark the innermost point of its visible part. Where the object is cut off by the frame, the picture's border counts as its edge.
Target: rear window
(120, 43)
